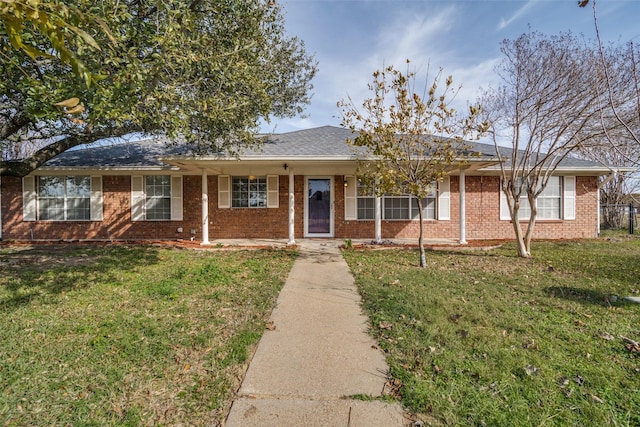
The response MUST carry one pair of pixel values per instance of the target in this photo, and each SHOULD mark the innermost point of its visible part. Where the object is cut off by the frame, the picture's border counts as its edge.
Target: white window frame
(139, 198)
(31, 199)
(437, 210)
(225, 191)
(566, 198)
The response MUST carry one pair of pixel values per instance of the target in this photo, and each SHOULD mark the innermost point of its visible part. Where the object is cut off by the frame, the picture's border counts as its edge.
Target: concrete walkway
(307, 371)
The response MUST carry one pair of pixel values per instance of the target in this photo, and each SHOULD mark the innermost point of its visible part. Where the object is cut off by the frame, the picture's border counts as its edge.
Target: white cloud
(517, 15)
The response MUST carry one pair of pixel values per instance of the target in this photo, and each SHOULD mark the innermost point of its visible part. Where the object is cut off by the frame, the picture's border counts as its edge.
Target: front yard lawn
(486, 338)
(129, 335)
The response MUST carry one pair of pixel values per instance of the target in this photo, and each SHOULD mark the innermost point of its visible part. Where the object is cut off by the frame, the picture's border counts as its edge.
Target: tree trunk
(423, 257)
(524, 250)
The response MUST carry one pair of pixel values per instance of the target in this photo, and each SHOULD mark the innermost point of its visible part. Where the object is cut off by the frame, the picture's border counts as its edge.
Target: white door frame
(306, 207)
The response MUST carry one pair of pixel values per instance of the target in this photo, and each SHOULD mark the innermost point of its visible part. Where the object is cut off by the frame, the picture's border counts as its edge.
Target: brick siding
(482, 215)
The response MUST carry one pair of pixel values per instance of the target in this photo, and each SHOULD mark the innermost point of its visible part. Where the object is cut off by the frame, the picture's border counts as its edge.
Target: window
(403, 207)
(158, 197)
(549, 202)
(366, 201)
(61, 198)
(248, 192)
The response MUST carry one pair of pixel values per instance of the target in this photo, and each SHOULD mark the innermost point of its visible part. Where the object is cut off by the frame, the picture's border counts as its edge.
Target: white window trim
(30, 200)
(350, 198)
(224, 192)
(567, 202)
(441, 195)
(138, 199)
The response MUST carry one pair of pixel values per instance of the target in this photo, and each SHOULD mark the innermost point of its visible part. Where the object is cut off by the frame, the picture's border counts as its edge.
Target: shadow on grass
(583, 296)
(40, 272)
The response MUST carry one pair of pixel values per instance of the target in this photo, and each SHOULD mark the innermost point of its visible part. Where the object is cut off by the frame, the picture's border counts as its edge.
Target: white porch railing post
(292, 240)
(463, 210)
(378, 218)
(205, 209)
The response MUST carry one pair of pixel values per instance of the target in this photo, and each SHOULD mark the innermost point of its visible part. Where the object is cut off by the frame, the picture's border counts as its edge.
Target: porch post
(378, 218)
(205, 209)
(463, 210)
(292, 239)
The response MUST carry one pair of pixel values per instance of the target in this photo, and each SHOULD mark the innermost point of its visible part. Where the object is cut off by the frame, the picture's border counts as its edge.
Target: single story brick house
(299, 184)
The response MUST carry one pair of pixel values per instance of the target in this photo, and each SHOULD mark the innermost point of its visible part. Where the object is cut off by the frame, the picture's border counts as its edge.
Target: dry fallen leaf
(606, 336)
(385, 325)
(271, 326)
(68, 103)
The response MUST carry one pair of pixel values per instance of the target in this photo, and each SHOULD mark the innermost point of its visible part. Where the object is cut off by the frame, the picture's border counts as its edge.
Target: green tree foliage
(412, 135)
(57, 22)
(201, 72)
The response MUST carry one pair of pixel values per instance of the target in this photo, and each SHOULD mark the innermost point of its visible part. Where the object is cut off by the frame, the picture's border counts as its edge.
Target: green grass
(116, 335)
(486, 338)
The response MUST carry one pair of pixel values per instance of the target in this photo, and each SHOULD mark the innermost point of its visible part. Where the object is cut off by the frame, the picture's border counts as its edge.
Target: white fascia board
(192, 159)
(116, 170)
(573, 171)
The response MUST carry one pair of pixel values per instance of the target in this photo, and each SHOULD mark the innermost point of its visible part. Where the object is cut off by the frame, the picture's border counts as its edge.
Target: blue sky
(353, 38)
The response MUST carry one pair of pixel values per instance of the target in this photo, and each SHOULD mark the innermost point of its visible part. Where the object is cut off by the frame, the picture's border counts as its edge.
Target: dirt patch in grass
(126, 334)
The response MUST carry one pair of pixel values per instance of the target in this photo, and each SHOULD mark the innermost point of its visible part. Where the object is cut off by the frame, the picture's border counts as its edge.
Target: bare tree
(412, 136)
(614, 190)
(547, 106)
(625, 110)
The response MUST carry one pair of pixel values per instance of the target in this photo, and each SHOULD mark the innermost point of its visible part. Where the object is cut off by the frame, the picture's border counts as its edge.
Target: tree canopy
(412, 133)
(201, 72)
(550, 104)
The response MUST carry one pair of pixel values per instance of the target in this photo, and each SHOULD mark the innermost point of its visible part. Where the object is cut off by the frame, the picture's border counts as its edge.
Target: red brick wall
(482, 214)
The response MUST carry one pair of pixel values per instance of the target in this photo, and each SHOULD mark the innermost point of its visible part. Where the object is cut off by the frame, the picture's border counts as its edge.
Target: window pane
(78, 209)
(249, 193)
(158, 197)
(553, 187)
(51, 186)
(428, 208)
(549, 208)
(158, 208)
(78, 186)
(366, 208)
(63, 198)
(525, 209)
(396, 208)
(363, 190)
(51, 209)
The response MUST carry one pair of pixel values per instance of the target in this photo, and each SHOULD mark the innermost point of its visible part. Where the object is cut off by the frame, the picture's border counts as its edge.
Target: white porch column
(292, 239)
(205, 209)
(463, 210)
(378, 218)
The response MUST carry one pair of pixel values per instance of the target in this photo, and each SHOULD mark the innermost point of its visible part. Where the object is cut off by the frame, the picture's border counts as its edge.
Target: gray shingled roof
(322, 142)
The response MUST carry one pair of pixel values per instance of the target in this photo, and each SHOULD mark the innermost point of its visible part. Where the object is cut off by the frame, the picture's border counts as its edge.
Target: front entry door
(319, 207)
